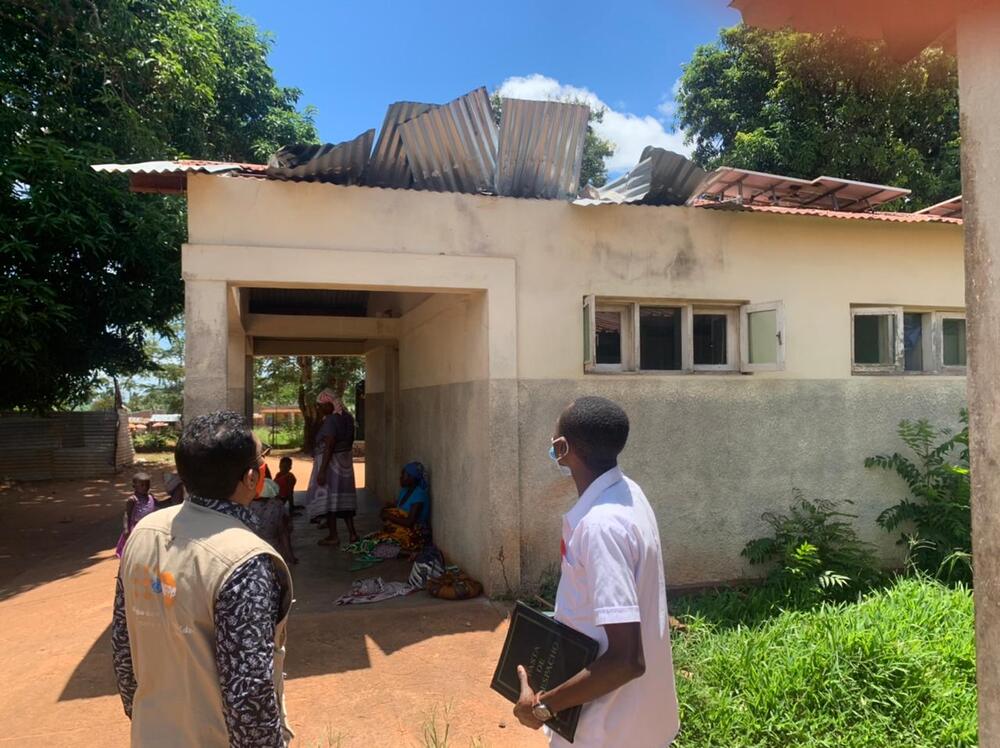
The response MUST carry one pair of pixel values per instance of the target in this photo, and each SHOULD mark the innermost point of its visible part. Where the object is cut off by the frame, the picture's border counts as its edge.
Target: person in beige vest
(202, 603)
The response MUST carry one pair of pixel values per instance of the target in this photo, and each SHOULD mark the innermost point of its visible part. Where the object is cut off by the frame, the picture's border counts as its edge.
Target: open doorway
(285, 414)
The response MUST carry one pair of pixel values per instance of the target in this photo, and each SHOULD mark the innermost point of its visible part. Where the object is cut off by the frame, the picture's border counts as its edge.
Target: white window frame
(732, 337)
(779, 320)
(897, 367)
(589, 333)
(629, 338)
(938, 336)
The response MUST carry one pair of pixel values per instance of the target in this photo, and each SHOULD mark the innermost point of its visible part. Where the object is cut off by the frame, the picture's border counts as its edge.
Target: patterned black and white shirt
(246, 613)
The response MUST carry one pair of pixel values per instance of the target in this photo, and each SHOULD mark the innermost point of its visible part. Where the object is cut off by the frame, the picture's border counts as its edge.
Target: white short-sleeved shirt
(612, 572)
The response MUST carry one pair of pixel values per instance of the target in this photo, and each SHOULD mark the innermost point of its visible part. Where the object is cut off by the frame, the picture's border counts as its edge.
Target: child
(274, 523)
(137, 506)
(286, 484)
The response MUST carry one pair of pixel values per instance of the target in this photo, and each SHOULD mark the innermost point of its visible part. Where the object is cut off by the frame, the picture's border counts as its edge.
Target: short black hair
(596, 429)
(213, 453)
(285, 461)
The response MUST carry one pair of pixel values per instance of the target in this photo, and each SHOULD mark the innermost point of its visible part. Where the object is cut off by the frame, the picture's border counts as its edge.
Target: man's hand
(526, 702)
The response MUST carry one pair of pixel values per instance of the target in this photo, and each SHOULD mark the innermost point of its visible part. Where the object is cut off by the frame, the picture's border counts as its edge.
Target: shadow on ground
(323, 638)
(50, 530)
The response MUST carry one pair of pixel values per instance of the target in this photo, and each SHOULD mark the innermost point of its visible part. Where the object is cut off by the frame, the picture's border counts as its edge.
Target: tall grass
(895, 669)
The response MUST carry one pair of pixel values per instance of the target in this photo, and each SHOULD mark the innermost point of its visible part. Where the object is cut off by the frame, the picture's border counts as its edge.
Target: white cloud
(629, 132)
(668, 106)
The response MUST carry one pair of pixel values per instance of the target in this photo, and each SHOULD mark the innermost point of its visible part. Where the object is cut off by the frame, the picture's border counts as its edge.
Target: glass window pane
(762, 335)
(954, 342)
(659, 338)
(710, 339)
(913, 341)
(609, 337)
(874, 336)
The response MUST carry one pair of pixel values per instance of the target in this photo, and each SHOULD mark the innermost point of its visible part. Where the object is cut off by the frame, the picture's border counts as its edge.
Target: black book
(551, 652)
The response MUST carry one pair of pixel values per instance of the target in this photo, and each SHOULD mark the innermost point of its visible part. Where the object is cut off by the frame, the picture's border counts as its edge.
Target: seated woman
(408, 522)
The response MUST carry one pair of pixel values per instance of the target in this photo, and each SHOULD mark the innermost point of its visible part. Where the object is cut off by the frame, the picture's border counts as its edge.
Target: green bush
(895, 669)
(815, 554)
(936, 520)
(154, 441)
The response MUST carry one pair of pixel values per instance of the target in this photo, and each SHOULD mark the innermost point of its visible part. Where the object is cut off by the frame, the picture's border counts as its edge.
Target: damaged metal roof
(389, 166)
(541, 149)
(661, 177)
(343, 163)
(453, 148)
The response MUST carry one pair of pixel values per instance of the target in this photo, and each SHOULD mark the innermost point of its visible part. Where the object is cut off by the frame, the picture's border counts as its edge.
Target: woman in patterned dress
(332, 493)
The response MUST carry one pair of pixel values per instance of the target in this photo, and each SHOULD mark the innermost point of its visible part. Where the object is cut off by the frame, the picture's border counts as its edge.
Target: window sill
(663, 373)
(953, 374)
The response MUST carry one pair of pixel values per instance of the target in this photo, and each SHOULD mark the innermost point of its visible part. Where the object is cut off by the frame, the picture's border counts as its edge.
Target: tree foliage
(286, 380)
(88, 268)
(596, 149)
(807, 105)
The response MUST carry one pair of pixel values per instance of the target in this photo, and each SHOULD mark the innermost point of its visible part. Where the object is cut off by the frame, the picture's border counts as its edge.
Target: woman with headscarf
(332, 493)
(408, 521)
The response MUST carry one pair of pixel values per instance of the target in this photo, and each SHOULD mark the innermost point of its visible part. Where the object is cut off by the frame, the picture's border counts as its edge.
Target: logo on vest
(152, 582)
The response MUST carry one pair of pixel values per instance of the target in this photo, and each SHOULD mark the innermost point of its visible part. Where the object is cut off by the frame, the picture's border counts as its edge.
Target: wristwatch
(541, 712)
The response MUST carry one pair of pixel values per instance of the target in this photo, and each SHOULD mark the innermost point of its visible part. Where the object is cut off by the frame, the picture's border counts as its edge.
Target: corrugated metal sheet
(541, 149)
(308, 301)
(343, 163)
(61, 445)
(453, 148)
(170, 167)
(662, 177)
(388, 166)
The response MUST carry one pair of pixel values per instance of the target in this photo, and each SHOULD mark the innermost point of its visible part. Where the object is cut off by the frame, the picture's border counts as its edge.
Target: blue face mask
(562, 468)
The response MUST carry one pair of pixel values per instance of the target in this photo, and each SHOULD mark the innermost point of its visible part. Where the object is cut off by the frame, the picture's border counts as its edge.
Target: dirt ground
(357, 676)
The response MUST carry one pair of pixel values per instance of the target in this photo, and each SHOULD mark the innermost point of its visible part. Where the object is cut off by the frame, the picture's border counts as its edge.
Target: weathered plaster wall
(443, 419)
(818, 267)
(713, 454)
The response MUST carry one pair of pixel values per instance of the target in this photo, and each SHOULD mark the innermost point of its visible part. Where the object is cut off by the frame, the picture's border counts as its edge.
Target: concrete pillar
(979, 88)
(206, 346)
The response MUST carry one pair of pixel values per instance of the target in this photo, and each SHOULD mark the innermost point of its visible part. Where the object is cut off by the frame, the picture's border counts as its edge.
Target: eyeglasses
(258, 461)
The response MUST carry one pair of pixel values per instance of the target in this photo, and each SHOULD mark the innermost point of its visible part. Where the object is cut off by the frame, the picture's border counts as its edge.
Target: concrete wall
(443, 418)
(713, 451)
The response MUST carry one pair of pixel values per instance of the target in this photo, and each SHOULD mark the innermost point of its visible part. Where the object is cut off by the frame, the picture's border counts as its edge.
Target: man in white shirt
(612, 588)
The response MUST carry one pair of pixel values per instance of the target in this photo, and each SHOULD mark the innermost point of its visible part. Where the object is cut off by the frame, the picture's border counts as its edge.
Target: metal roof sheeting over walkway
(541, 149)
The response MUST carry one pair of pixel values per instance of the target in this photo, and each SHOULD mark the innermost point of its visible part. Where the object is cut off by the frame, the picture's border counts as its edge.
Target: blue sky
(352, 60)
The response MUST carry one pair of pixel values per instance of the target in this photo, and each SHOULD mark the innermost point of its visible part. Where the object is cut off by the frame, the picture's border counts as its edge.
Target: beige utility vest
(175, 562)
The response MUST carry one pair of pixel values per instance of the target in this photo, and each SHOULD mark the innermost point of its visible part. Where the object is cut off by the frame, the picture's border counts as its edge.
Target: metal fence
(63, 446)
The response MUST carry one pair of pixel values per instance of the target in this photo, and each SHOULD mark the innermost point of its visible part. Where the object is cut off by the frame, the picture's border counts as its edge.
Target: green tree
(283, 380)
(595, 148)
(89, 269)
(807, 105)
